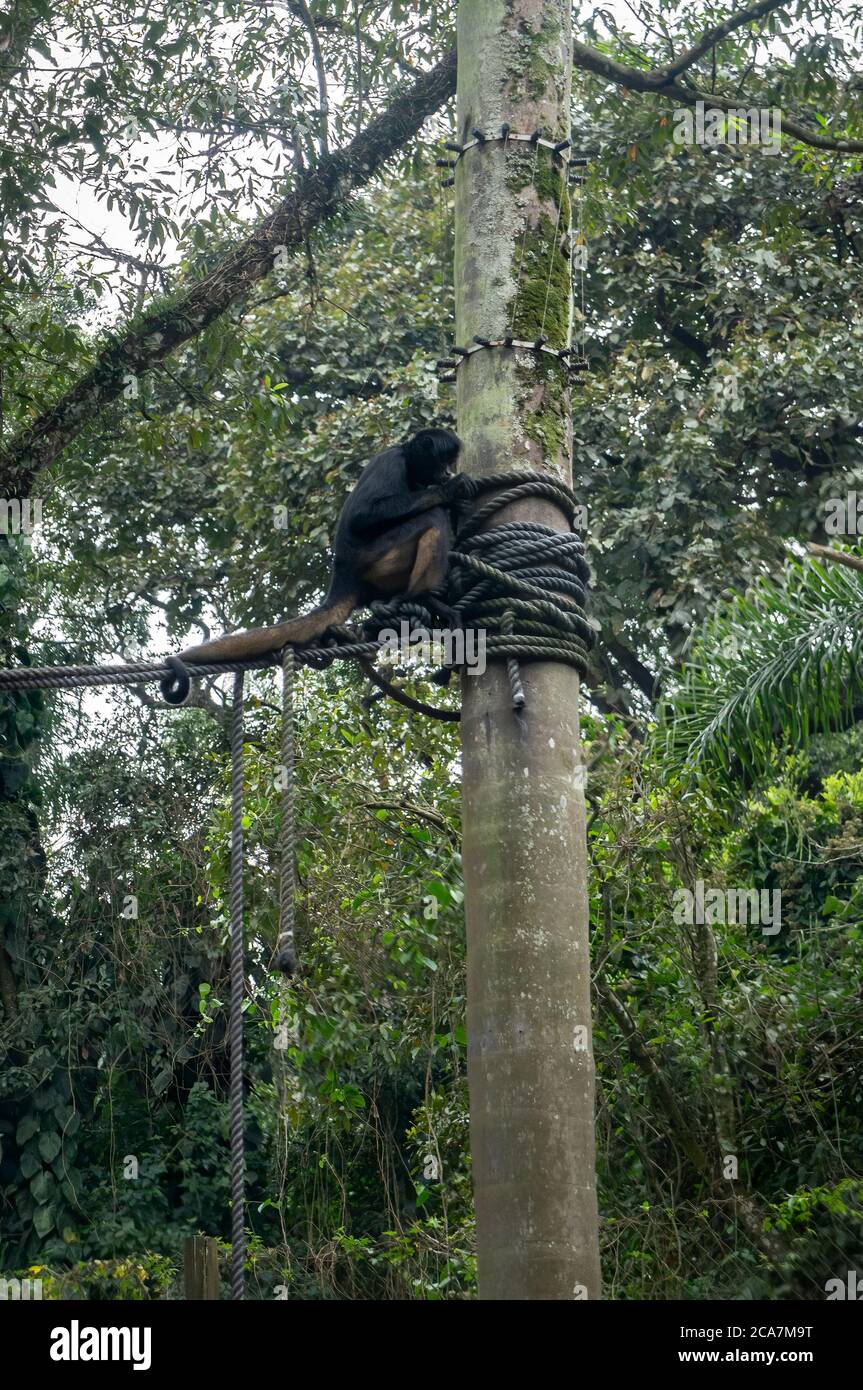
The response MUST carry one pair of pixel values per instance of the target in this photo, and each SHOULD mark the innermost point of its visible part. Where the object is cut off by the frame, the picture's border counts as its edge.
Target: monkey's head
(429, 455)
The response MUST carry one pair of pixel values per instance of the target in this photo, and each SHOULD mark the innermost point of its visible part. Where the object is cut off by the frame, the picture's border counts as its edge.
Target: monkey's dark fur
(393, 537)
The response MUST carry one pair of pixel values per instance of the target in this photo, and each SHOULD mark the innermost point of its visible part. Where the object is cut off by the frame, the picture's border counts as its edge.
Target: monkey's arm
(376, 520)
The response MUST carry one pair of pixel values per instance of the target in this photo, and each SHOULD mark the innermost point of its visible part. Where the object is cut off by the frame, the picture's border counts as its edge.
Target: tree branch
(408, 809)
(395, 692)
(16, 34)
(642, 1056)
(744, 1202)
(320, 192)
(715, 35)
(645, 680)
(638, 80)
(839, 557)
(300, 10)
(8, 984)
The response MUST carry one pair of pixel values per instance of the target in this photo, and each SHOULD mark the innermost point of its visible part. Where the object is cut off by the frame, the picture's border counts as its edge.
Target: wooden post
(530, 1060)
(200, 1268)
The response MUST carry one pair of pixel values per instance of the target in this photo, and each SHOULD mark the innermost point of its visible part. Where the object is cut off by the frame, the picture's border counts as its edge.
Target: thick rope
(286, 948)
(141, 672)
(285, 957)
(522, 582)
(238, 1151)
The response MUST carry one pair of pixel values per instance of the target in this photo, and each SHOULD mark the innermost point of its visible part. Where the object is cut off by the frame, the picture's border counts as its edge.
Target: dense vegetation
(724, 733)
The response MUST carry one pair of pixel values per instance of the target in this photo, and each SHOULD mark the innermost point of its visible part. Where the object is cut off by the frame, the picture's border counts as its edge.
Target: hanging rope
(285, 947)
(285, 957)
(580, 261)
(238, 1152)
(554, 250)
(443, 226)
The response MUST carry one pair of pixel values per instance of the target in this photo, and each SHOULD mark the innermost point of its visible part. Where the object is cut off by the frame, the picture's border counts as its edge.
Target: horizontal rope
(141, 672)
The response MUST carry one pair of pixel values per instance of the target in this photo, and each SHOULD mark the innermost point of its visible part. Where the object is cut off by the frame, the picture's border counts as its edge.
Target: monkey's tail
(258, 641)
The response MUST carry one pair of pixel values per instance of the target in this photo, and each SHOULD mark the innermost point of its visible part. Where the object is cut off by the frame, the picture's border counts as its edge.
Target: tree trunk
(530, 1061)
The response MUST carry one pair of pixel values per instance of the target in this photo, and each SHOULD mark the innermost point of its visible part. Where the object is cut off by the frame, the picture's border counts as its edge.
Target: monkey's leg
(389, 561)
(430, 569)
(431, 561)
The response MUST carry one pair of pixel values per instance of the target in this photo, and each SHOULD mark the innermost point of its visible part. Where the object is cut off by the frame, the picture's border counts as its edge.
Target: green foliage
(719, 417)
(147, 1276)
(787, 1012)
(767, 671)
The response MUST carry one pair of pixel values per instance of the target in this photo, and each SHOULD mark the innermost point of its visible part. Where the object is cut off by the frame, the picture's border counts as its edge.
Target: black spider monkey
(393, 537)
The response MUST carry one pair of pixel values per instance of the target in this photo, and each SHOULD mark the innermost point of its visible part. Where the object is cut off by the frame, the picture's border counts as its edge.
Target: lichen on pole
(530, 1060)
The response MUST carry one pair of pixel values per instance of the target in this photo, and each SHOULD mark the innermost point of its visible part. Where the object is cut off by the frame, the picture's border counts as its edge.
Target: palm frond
(772, 668)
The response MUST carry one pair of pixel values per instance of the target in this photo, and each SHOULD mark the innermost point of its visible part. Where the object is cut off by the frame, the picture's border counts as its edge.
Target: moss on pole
(530, 1061)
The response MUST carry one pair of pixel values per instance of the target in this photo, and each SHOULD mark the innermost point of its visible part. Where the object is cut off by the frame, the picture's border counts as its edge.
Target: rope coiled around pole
(523, 583)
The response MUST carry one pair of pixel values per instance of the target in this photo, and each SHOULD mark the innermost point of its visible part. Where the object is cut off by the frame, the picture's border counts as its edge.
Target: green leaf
(49, 1146)
(43, 1220)
(30, 1163)
(42, 1185)
(26, 1129)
